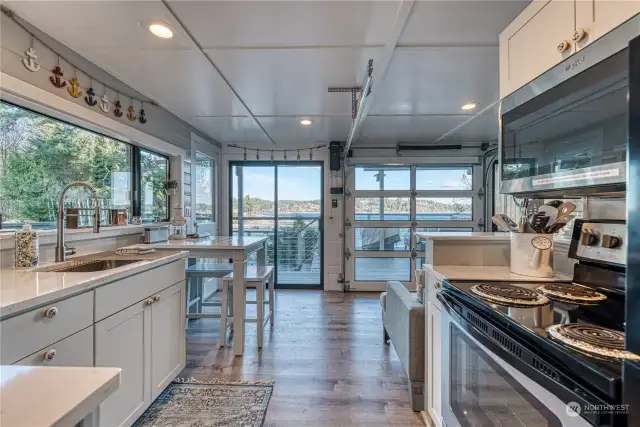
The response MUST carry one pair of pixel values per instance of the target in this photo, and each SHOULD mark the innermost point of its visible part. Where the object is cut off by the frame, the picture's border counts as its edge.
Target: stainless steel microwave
(565, 133)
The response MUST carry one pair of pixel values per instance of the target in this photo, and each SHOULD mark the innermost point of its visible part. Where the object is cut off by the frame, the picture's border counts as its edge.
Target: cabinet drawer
(76, 350)
(119, 295)
(27, 333)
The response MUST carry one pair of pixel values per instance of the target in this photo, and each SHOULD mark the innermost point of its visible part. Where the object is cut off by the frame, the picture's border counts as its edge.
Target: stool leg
(272, 298)
(230, 302)
(260, 304)
(223, 314)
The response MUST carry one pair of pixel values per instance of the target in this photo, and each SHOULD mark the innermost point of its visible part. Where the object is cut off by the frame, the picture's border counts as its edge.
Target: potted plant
(171, 187)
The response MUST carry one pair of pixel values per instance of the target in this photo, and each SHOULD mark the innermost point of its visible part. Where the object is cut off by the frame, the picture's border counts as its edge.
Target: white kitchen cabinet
(146, 340)
(168, 341)
(433, 360)
(529, 45)
(598, 17)
(122, 341)
(75, 350)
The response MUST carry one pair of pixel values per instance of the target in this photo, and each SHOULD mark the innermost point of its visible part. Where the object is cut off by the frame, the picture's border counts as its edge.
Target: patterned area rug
(191, 403)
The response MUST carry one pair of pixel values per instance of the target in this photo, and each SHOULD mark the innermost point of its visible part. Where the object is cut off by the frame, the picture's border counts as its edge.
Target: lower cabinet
(122, 340)
(433, 360)
(75, 350)
(146, 340)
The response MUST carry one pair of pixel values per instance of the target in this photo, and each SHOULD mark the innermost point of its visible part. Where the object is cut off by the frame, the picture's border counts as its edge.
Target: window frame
(134, 159)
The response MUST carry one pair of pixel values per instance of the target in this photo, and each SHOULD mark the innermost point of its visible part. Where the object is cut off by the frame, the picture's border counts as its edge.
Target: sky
(303, 182)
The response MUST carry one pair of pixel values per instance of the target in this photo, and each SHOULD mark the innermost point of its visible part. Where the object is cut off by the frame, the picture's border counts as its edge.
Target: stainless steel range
(540, 354)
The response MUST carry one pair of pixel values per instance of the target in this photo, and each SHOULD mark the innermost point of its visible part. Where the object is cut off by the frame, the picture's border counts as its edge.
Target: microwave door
(480, 388)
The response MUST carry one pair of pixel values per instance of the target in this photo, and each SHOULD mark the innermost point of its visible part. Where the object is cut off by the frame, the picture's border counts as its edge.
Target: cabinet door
(529, 47)
(168, 348)
(434, 377)
(598, 17)
(120, 341)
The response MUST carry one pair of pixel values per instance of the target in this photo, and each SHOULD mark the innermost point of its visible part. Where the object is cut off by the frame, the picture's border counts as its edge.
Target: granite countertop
(466, 235)
(48, 396)
(493, 273)
(26, 289)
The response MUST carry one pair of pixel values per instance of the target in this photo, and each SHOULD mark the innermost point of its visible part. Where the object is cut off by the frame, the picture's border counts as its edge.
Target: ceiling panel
(288, 132)
(437, 80)
(483, 127)
(294, 82)
(231, 130)
(287, 23)
(416, 129)
(182, 80)
(447, 22)
(102, 23)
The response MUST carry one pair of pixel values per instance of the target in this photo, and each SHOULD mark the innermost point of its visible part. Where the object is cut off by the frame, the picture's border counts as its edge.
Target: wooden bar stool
(195, 290)
(260, 278)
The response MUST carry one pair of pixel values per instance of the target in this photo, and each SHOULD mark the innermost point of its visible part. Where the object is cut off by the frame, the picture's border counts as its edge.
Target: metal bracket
(414, 254)
(347, 223)
(347, 193)
(414, 225)
(355, 90)
(347, 253)
(481, 193)
(481, 223)
(345, 283)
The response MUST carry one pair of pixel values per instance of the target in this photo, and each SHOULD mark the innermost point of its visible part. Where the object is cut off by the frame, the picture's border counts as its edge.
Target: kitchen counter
(493, 273)
(220, 242)
(466, 235)
(53, 396)
(26, 289)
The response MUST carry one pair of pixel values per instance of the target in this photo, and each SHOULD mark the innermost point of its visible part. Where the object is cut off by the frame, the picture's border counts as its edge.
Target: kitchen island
(102, 310)
(54, 396)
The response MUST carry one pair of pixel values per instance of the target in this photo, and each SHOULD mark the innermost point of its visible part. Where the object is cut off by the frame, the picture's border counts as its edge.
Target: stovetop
(530, 324)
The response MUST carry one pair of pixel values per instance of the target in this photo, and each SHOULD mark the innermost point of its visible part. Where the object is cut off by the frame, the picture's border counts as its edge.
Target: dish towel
(136, 250)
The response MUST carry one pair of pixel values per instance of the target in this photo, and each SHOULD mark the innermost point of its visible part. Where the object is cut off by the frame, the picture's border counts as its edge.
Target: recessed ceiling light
(306, 122)
(160, 29)
(469, 106)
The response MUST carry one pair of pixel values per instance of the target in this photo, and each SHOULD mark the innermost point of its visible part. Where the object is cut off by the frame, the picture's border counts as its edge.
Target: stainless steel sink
(94, 265)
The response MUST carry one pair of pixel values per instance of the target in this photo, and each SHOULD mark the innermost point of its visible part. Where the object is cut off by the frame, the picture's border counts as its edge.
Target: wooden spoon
(566, 209)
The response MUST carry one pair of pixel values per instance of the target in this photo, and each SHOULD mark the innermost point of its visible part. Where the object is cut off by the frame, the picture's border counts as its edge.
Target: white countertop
(493, 273)
(465, 235)
(52, 396)
(213, 243)
(25, 289)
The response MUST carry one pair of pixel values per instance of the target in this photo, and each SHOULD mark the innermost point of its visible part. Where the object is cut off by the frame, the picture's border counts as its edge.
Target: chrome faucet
(61, 249)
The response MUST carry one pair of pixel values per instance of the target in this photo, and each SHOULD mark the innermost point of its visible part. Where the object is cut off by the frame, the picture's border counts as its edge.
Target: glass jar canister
(177, 225)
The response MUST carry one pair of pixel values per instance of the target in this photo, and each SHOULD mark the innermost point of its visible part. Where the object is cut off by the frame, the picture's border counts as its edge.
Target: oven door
(481, 389)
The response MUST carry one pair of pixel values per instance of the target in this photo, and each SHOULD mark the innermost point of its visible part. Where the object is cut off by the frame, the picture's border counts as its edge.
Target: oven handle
(525, 361)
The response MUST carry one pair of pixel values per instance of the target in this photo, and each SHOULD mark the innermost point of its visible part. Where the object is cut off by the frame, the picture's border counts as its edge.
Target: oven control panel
(600, 241)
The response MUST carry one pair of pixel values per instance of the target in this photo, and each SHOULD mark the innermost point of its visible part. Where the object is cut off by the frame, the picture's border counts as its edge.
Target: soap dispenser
(27, 247)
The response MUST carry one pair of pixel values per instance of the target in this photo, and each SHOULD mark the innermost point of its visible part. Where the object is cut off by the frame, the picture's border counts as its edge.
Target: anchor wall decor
(142, 117)
(30, 62)
(89, 99)
(131, 113)
(118, 110)
(56, 79)
(73, 88)
(104, 103)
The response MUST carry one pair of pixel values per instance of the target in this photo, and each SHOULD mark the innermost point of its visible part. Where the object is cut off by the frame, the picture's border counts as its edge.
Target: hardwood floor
(326, 356)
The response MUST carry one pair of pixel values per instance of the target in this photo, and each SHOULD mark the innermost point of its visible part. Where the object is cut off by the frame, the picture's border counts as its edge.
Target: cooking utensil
(550, 211)
(527, 224)
(500, 223)
(538, 221)
(512, 224)
(558, 224)
(566, 209)
(541, 243)
(555, 203)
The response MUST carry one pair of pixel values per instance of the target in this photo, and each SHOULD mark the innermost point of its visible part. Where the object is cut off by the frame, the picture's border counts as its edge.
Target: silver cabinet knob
(579, 35)
(563, 46)
(150, 301)
(49, 355)
(51, 312)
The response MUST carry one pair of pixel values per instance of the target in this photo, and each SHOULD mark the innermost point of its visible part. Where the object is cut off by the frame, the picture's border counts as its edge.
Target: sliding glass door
(282, 201)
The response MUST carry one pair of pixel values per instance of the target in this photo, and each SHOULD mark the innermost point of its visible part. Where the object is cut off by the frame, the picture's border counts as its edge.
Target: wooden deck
(326, 356)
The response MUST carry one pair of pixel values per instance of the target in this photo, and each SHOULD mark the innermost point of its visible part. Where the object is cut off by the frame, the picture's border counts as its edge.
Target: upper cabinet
(548, 32)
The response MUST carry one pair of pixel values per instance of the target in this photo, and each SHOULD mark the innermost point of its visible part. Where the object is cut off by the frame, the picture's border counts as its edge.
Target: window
(382, 208)
(382, 239)
(204, 188)
(383, 178)
(444, 209)
(40, 155)
(444, 178)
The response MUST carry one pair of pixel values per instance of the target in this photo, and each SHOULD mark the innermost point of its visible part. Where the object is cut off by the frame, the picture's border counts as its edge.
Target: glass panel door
(299, 199)
(284, 203)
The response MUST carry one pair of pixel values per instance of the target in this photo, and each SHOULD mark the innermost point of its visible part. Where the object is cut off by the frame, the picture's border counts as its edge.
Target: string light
(298, 155)
(272, 155)
(273, 151)
(257, 154)
(285, 155)
(310, 154)
(245, 154)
